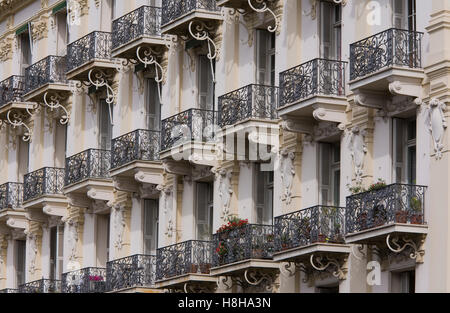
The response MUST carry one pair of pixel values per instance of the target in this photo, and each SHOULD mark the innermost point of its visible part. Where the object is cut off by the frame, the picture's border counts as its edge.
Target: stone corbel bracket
(371, 100)
(177, 168)
(298, 125)
(101, 193)
(337, 266)
(148, 176)
(15, 120)
(331, 115)
(19, 223)
(261, 6)
(398, 243)
(56, 209)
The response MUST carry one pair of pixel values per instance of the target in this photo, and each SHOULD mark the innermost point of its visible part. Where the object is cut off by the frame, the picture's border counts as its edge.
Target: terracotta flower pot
(401, 217)
(194, 268)
(417, 219)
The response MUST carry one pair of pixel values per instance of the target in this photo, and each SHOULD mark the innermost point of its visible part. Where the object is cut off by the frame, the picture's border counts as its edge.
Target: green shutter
(59, 7)
(22, 29)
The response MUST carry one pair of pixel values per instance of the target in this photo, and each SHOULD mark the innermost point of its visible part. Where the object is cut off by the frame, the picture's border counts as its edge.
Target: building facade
(224, 146)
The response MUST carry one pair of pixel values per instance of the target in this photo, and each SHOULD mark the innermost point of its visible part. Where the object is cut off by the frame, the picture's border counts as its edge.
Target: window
(60, 144)
(205, 84)
(25, 51)
(102, 239)
(264, 196)
(330, 39)
(20, 262)
(62, 33)
(404, 151)
(329, 173)
(265, 57)
(151, 211)
(105, 131)
(403, 282)
(404, 14)
(23, 155)
(56, 252)
(204, 210)
(152, 104)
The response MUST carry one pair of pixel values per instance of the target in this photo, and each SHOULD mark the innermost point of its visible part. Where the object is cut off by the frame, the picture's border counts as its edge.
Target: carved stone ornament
(225, 192)
(39, 28)
(437, 124)
(72, 239)
(32, 253)
(119, 225)
(287, 175)
(6, 49)
(398, 244)
(358, 150)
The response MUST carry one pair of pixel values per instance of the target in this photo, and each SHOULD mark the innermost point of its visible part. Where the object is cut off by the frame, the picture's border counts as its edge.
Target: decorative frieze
(6, 48)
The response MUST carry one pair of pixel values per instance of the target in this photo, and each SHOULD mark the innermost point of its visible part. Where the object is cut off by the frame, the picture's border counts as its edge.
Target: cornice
(11, 6)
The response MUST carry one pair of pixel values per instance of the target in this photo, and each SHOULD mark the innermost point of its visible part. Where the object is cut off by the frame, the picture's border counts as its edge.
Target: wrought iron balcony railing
(392, 47)
(86, 280)
(189, 125)
(396, 203)
(51, 70)
(11, 89)
(11, 195)
(45, 181)
(91, 163)
(134, 271)
(138, 145)
(93, 46)
(142, 22)
(8, 290)
(173, 9)
(189, 257)
(318, 224)
(314, 78)
(252, 101)
(246, 242)
(41, 286)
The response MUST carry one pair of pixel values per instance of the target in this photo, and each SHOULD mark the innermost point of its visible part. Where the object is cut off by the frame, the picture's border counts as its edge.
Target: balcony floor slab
(180, 25)
(37, 95)
(306, 251)
(128, 50)
(81, 73)
(238, 268)
(306, 107)
(378, 234)
(180, 281)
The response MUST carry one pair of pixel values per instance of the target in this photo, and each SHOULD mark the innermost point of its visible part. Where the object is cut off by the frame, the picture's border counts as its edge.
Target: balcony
(87, 176)
(141, 27)
(11, 195)
(178, 14)
(46, 76)
(185, 264)
(389, 62)
(86, 280)
(314, 89)
(45, 184)
(307, 234)
(249, 108)
(246, 248)
(90, 164)
(11, 90)
(90, 53)
(396, 211)
(41, 286)
(133, 273)
(189, 134)
(136, 155)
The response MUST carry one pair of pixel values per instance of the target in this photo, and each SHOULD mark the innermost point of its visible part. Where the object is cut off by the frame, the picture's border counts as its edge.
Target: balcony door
(105, 126)
(23, 157)
(204, 210)
(205, 84)
(264, 196)
(102, 239)
(404, 14)
(56, 252)
(329, 174)
(152, 105)
(404, 151)
(20, 261)
(330, 31)
(25, 51)
(62, 33)
(151, 212)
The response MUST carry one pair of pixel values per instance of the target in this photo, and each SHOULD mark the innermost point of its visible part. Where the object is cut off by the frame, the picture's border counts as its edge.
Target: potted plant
(380, 184)
(95, 282)
(379, 215)
(285, 242)
(417, 216)
(221, 251)
(362, 220)
(194, 268)
(355, 189)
